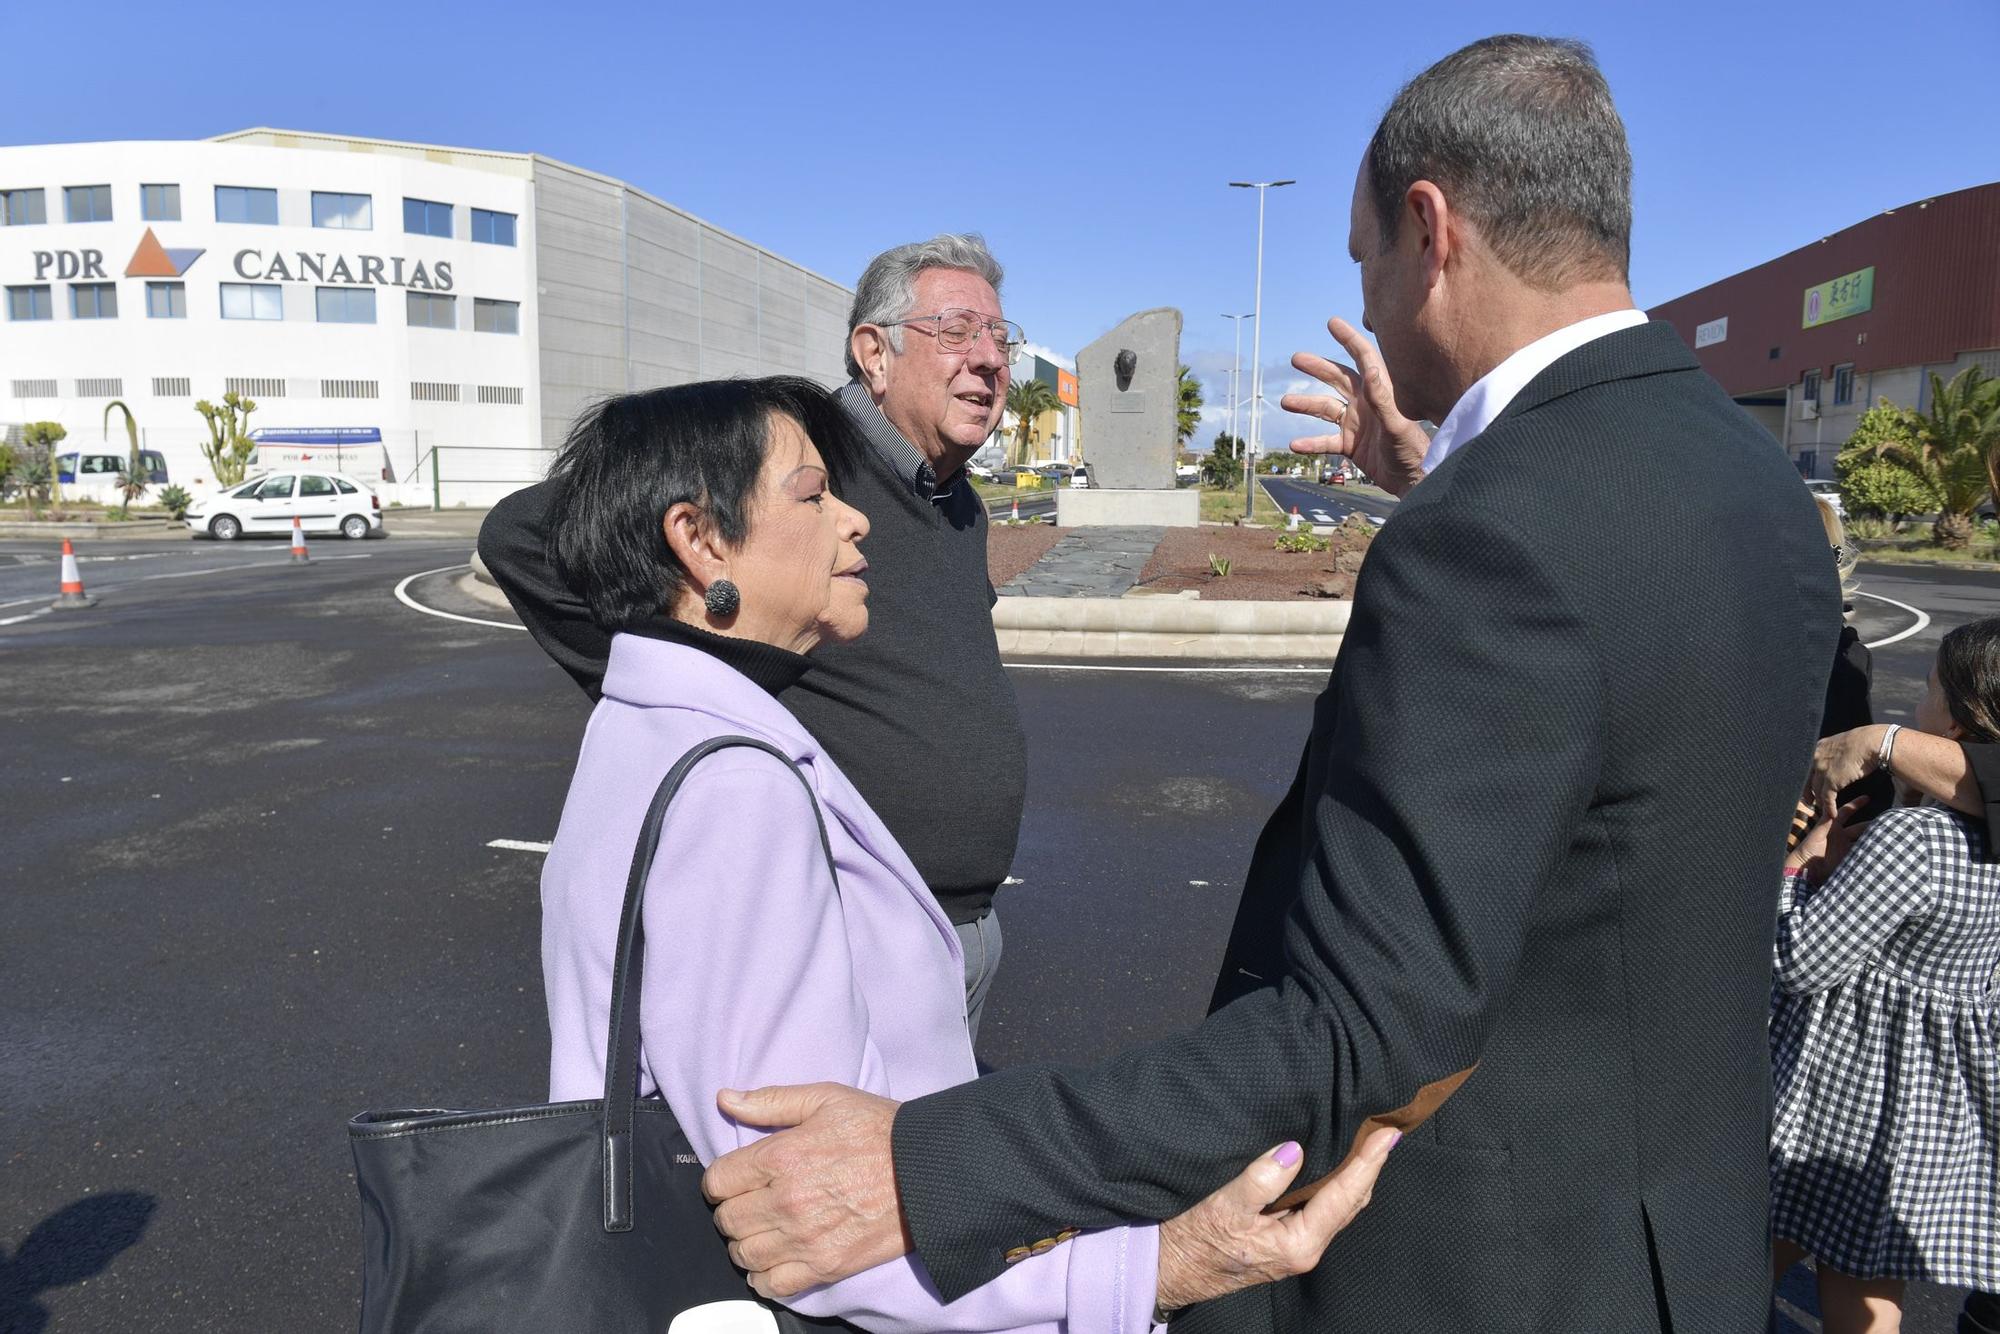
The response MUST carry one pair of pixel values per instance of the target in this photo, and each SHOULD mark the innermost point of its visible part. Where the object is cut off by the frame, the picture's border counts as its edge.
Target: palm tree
(1028, 400)
(1952, 447)
(1188, 419)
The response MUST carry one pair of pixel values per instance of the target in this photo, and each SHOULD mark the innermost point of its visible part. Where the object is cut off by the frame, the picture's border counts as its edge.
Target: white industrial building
(438, 313)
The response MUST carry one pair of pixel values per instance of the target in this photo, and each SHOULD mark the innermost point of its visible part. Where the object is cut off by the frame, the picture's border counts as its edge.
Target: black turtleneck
(771, 668)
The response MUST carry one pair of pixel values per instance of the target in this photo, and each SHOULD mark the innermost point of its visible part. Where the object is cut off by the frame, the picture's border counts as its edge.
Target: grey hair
(1522, 136)
(887, 291)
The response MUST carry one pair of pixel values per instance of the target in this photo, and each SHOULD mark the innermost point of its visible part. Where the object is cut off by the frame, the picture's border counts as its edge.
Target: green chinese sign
(1849, 294)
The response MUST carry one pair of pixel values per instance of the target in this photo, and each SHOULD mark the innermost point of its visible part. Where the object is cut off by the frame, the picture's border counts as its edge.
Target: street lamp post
(1236, 376)
(1256, 349)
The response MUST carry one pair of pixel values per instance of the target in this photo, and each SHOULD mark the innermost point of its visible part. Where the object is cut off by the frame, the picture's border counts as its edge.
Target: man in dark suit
(1535, 834)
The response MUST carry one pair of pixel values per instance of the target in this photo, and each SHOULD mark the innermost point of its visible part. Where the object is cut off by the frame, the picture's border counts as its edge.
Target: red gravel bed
(1257, 571)
(1010, 551)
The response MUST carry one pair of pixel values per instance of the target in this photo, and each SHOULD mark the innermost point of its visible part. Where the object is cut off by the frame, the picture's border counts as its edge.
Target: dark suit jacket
(1538, 826)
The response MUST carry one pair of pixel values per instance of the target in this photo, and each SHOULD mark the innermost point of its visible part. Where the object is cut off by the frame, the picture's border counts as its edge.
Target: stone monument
(1130, 386)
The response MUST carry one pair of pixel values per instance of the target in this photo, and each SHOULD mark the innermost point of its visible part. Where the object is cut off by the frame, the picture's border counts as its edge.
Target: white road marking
(403, 596)
(1923, 619)
(16, 620)
(519, 845)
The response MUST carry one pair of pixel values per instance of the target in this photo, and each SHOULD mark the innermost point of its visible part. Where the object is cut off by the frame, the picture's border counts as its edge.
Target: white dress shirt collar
(1486, 400)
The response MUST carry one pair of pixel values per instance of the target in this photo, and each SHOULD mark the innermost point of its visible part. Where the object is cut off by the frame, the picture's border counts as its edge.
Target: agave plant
(1951, 447)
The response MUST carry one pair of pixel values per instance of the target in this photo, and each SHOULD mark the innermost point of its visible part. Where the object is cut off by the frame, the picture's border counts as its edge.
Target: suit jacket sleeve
(513, 541)
(1450, 761)
(1985, 762)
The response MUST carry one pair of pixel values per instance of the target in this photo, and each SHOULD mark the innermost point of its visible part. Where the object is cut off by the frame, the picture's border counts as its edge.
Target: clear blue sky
(1091, 143)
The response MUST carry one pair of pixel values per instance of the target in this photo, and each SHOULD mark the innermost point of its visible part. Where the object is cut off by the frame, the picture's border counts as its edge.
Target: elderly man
(1536, 829)
(918, 713)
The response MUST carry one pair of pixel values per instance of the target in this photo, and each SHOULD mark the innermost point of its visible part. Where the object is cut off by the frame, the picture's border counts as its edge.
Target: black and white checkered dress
(1885, 1045)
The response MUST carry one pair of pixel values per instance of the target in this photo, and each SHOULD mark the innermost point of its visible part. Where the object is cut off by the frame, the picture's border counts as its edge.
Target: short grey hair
(1522, 136)
(887, 291)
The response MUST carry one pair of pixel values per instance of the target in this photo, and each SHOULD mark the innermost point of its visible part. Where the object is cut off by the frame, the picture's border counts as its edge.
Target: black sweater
(918, 712)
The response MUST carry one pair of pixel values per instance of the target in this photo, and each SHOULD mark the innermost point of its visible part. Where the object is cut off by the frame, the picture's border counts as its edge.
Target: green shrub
(1301, 541)
(1218, 565)
(175, 501)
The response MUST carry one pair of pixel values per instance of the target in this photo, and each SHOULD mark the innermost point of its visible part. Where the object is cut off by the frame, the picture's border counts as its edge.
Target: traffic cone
(1017, 511)
(1293, 526)
(299, 556)
(72, 597)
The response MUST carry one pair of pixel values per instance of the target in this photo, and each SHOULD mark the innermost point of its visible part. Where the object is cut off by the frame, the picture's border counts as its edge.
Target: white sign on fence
(1715, 331)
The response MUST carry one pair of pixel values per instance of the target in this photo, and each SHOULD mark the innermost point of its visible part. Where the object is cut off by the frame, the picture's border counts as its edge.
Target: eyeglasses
(958, 330)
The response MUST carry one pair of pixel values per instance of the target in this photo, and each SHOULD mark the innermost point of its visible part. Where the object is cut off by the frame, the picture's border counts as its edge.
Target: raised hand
(1368, 428)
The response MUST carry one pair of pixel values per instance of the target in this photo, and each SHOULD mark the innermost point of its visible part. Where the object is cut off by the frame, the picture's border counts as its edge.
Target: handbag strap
(621, 1064)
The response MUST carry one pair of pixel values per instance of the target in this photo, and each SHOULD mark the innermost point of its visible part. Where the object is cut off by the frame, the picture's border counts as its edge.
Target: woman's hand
(1842, 759)
(1227, 1242)
(1826, 844)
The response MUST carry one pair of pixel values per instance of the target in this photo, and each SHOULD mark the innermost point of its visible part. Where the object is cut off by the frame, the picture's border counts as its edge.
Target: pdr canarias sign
(308, 266)
(1849, 294)
(150, 260)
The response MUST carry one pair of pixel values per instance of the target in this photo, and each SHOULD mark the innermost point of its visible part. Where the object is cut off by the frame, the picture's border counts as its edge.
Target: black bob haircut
(632, 457)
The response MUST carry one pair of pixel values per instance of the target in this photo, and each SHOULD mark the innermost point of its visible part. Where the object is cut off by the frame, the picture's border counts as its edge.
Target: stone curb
(1169, 628)
(128, 528)
(1126, 627)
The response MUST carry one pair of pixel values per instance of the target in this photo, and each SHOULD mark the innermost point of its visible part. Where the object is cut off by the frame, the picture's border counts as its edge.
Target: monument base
(1107, 508)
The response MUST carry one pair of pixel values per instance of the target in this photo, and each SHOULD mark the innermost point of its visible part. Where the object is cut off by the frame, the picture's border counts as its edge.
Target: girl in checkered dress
(1885, 1036)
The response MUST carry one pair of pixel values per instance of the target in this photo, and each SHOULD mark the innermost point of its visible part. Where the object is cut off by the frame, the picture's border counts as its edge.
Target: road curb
(1144, 627)
(127, 528)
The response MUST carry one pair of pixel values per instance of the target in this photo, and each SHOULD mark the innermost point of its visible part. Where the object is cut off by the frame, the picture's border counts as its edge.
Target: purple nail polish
(1398, 1140)
(1288, 1153)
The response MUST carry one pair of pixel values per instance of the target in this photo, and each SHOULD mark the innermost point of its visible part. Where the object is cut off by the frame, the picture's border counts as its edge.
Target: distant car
(1187, 472)
(980, 471)
(1828, 490)
(1080, 479)
(266, 504)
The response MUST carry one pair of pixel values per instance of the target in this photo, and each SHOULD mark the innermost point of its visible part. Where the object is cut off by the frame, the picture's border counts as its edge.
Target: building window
(34, 388)
(173, 386)
(253, 387)
(20, 208)
(160, 203)
(93, 301)
(495, 316)
(1843, 385)
(425, 217)
(30, 303)
(492, 228)
(252, 301)
(350, 389)
(243, 203)
(1809, 386)
(345, 305)
(356, 213)
(87, 203)
(110, 386)
(429, 310)
(500, 393)
(433, 391)
(166, 301)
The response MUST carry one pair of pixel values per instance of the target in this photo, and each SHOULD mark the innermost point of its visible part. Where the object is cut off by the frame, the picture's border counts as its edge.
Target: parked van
(94, 476)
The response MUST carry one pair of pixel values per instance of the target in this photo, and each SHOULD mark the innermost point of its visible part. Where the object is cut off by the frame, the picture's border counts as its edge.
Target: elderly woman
(701, 524)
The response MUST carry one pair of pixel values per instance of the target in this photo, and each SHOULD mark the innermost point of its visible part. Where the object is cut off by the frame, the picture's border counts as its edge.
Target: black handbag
(573, 1216)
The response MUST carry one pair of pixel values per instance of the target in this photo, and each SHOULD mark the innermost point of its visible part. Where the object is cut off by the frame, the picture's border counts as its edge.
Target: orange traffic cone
(72, 597)
(1016, 518)
(299, 556)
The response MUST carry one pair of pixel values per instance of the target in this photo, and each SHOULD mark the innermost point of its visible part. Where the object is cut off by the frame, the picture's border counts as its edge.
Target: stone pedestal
(1153, 507)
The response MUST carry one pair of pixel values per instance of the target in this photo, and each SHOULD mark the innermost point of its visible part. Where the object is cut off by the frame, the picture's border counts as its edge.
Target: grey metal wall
(635, 294)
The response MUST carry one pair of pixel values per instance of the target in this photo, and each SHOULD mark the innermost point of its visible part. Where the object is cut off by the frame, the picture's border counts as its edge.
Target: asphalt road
(1335, 502)
(250, 891)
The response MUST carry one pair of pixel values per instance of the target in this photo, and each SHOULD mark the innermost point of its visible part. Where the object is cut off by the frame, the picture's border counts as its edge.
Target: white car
(267, 504)
(1829, 491)
(1187, 472)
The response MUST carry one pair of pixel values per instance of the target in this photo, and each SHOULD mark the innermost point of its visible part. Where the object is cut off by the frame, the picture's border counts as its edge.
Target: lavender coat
(759, 971)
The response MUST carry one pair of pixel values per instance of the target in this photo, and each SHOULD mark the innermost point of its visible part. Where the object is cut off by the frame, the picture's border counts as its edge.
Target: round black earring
(722, 599)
